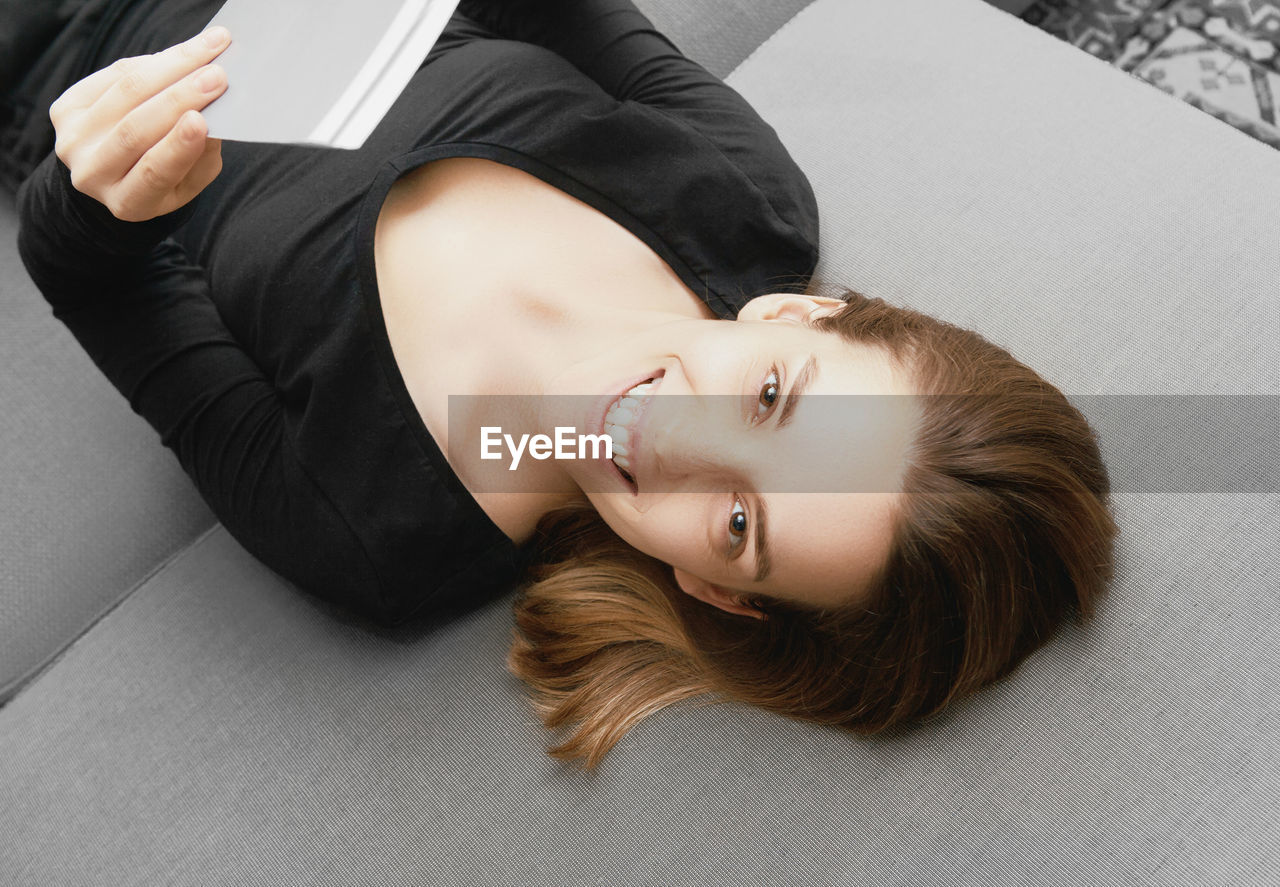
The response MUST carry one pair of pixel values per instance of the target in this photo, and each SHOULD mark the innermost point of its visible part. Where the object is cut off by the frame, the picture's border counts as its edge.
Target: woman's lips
(634, 431)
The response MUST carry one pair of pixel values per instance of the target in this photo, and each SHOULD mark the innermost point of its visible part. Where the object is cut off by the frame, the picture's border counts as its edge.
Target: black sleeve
(617, 46)
(143, 314)
(610, 41)
(613, 43)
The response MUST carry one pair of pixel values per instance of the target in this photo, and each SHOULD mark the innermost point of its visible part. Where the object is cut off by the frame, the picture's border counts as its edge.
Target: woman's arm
(611, 41)
(143, 314)
(617, 46)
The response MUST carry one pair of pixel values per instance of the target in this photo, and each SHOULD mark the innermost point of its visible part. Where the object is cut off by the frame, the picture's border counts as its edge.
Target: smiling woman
(733, 446)
(833, 508)
(998, 530)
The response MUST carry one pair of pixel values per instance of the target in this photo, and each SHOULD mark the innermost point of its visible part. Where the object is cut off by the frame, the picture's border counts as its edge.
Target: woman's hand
(132, 134)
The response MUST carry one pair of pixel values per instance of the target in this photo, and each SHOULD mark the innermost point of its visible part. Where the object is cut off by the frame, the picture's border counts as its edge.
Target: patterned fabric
(1222, 56)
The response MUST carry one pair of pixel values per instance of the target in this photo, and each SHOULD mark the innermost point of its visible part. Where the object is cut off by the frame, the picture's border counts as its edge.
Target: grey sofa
(176, 714)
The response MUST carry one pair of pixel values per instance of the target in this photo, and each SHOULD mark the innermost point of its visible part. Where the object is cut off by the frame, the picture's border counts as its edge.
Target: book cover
(319, 73)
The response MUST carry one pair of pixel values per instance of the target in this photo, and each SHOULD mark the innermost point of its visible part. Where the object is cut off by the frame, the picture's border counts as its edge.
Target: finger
(145, 76)
(148, 123)
(148, 188)
(205, 170)
(88, 90)
(85, 92)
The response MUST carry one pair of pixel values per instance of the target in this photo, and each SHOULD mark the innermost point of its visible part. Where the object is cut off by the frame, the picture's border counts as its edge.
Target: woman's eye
(737, 524)
(769, 393)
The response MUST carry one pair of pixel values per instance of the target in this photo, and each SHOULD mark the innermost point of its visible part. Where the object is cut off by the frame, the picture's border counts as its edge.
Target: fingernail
(210, 80)
(216, 36)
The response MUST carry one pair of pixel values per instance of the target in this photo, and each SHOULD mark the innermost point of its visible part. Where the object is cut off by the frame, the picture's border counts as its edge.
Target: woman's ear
(790, 307)
(729, 601)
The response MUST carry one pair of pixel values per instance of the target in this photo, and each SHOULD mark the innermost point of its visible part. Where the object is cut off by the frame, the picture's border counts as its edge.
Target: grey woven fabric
(719, 34)
(218, 728)
(92, 503)
(215, 728)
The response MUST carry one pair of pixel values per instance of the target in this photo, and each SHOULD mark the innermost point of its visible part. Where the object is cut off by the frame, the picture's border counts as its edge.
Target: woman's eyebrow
(808, 373)
(764, 562)
(764, 559)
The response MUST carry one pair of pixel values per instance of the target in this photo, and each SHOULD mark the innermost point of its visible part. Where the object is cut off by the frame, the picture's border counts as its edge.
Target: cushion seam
(16, 687)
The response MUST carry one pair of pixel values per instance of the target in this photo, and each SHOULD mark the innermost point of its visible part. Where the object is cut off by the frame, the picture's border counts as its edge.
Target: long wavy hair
(1003, 532)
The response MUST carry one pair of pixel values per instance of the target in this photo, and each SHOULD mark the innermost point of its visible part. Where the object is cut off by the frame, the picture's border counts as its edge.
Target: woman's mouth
(622, 424)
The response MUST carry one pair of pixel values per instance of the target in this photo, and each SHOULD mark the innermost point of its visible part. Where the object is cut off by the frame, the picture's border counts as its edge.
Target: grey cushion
(92, 503)
(217, 728)
(719, 34)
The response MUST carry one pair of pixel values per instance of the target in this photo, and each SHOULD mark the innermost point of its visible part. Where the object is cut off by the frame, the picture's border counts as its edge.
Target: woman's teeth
(618, 420)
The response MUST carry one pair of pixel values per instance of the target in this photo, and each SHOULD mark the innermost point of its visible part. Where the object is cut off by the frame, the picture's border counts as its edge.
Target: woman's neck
(527, 347)
(531, 345)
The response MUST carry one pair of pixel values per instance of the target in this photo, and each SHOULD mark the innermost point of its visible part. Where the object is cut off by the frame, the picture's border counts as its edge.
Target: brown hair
(1004, 531)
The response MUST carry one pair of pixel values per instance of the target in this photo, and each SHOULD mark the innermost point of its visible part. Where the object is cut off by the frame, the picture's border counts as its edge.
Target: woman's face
(752, 470)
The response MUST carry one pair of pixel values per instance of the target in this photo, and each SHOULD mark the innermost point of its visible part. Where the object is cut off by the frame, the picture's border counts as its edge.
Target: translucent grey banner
(1173, 444)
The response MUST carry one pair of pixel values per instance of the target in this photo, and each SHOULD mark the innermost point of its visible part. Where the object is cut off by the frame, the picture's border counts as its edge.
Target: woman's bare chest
(472, 254)
(468, 225)
(476, 260)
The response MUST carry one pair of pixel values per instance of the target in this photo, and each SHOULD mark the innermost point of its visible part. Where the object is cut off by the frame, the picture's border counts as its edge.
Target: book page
(323, 73)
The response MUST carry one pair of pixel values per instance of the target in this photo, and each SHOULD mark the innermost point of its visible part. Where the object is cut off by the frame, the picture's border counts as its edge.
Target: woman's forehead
(830, 494)
(827, 546)
(850, 431)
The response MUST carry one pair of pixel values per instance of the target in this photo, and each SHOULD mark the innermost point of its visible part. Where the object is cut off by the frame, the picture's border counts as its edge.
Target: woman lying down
(776, 491)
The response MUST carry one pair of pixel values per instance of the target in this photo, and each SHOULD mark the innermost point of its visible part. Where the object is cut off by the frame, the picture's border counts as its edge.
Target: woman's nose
(700, 443)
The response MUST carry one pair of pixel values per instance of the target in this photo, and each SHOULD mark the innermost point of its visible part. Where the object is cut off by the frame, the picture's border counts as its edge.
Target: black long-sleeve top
(246, 327)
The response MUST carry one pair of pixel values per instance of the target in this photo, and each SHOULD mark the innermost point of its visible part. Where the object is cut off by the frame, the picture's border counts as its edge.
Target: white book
(319, 72)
